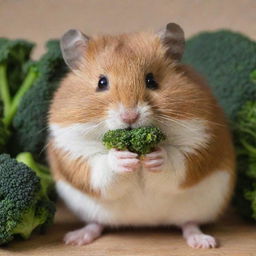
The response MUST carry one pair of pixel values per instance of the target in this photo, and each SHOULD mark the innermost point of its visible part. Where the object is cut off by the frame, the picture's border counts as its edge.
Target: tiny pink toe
(154, 163)
(125, 154)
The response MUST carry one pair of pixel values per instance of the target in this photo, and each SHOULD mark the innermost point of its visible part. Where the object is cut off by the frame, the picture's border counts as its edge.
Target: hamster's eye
(102, 84)
(150, 82)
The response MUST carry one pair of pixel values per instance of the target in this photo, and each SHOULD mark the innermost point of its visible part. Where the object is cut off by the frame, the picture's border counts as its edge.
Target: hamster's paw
(196, 238)
(123, 161)
(84, 235)
(154, 161)
(201, 241)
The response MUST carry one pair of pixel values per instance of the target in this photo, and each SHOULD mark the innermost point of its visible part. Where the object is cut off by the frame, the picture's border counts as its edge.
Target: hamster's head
(124, 81)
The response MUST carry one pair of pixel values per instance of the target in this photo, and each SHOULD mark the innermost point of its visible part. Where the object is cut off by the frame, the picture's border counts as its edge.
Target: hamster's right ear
(73, 44)
(172, 36)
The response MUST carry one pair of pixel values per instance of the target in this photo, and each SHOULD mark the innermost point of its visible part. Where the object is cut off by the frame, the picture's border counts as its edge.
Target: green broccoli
(14, 54)
(140, 140)
(245, 134)
(40, 170)
(228, 62)
(118, 139)
(30, 122)
(14, 82)
(24, 205)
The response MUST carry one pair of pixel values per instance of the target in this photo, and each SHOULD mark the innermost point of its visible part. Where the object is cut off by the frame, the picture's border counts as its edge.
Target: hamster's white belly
(146, 203)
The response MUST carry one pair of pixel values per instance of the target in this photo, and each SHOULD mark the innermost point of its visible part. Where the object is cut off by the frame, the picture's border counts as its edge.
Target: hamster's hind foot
(84, 235)
(196, 238)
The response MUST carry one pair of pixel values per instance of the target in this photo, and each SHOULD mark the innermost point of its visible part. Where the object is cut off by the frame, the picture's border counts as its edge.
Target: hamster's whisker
(178, 123)
(44, 147)
(183, 101)
(42, 130)
(181, 115)
(168, 108)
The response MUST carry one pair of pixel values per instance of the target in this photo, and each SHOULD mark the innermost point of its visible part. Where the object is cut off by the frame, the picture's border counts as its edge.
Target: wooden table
(236, 238)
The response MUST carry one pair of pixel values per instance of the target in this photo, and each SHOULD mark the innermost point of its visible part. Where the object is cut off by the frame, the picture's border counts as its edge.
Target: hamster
(129, 81)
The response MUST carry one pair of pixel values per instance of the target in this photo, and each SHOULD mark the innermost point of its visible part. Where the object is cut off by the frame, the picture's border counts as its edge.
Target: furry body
(191, 176)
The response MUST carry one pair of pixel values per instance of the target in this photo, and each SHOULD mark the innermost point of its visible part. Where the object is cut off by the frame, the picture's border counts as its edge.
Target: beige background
(40, 20)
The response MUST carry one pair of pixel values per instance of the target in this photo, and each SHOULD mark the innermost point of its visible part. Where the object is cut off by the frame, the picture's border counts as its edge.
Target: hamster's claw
(154, 161)
(123, 161)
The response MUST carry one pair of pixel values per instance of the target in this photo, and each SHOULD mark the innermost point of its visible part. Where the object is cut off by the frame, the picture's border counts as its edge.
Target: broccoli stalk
(140, 140)
(11, 105)
(14, 55)
(28, 223)
(4, 89)
(25, 86)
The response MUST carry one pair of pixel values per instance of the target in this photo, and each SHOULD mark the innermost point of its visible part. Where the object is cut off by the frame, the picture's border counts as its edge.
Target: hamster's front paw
(123, 161)
(155, 160)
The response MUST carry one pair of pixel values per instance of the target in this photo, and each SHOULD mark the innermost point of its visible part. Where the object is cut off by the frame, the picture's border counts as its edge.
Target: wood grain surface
(236, 237)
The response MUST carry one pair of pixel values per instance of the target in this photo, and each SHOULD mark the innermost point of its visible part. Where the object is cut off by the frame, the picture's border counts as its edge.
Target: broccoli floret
(24, 206)
(246, 126)
(30, 122)
(143, 140)
(118, 139)
(228, 61)
(140, 140)
(245, 134)
(41, 171)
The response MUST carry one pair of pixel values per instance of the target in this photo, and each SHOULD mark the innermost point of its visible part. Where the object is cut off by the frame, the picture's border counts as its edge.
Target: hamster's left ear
(73, 45)
(172, 36)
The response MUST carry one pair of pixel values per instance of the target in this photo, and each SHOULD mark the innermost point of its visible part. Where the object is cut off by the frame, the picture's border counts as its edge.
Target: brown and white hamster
(128, 81)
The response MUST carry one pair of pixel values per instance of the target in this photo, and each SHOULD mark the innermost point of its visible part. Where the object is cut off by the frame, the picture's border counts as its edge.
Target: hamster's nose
(129, 116)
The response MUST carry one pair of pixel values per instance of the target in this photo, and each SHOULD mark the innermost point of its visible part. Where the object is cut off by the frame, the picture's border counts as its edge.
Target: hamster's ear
(173, 38)
(73, 44)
